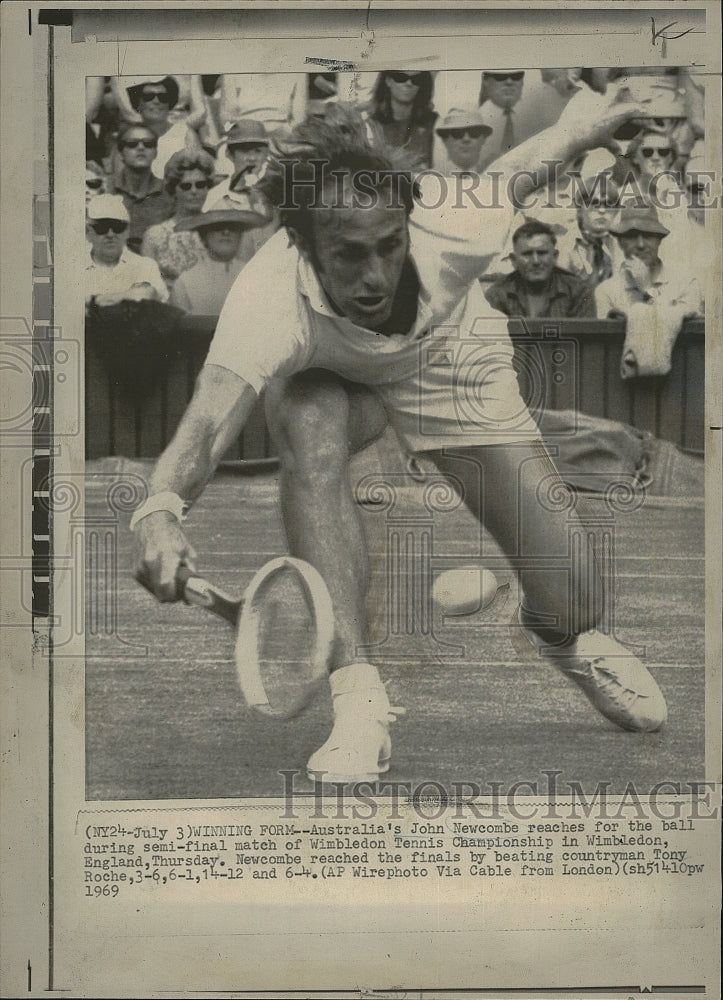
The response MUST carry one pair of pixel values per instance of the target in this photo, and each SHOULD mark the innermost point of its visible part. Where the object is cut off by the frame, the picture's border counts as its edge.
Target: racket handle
(192, 588)
(183, 575)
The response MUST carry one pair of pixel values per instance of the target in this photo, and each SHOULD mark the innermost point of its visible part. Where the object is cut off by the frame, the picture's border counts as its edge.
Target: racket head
(275, 680)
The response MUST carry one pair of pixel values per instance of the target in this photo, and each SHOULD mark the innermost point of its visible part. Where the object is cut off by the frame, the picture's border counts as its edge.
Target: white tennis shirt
(277, 319)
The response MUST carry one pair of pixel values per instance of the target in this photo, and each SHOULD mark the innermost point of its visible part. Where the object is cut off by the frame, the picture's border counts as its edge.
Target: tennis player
(348, 317)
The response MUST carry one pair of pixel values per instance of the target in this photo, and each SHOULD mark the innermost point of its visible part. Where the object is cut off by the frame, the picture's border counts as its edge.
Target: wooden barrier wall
(562, 364)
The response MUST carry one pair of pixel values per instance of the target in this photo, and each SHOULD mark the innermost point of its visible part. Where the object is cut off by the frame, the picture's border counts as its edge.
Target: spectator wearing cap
(654, 298)
(463, 133)
(537, 287)
(202, 289)
(144, 195)
(402, 107)
(187, 178)
(151, 103)
(248, 144)
(113, 272)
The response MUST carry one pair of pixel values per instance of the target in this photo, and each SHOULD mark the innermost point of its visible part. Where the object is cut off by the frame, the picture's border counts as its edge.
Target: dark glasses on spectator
(155, 95)
(473, 131)
(400, 77)
(103, 226)
(94, 184)
(649, 151)
(135, 143)
(192, 185)
(501, 77)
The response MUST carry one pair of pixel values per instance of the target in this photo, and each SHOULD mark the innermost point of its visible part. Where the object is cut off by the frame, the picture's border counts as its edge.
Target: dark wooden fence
(562, 364)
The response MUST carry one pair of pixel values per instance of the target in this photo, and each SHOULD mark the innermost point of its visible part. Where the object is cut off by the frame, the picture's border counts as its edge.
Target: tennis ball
(464, 591)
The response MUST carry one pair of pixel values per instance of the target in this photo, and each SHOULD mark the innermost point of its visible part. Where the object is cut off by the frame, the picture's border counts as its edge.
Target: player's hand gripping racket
(284, 632)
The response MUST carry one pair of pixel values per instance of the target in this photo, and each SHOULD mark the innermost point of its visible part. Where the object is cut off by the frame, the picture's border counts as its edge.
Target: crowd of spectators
(172, 166)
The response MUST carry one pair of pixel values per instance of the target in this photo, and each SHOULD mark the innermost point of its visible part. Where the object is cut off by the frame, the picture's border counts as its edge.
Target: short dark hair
(316, 151)
(533, 227)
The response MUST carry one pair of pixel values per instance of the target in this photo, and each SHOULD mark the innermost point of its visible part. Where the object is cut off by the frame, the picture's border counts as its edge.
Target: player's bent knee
(307, 419)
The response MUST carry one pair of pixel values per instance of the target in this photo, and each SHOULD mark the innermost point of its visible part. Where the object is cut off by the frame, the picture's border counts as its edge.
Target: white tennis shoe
(359, 747)
(614, 681)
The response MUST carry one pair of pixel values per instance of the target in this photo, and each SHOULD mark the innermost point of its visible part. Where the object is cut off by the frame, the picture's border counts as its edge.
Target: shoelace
(613, 682)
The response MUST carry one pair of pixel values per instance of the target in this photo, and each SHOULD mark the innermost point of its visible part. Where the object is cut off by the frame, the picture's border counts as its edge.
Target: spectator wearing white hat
(113, 272)
(463, 133)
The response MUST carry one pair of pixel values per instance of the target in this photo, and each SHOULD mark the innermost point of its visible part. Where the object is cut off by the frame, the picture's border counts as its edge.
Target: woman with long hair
(402, 106)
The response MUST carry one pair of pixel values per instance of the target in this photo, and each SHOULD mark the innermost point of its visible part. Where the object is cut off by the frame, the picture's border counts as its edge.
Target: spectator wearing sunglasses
(402, 106)
(144, 195)
(499, 100)
(187, 178)
(94, 180)
(463, 134)
(652, 171)
(152, 103)
(652, 154)
(113, 272)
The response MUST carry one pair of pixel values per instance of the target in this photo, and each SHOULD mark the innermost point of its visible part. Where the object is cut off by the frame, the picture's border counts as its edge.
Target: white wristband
(161, 501)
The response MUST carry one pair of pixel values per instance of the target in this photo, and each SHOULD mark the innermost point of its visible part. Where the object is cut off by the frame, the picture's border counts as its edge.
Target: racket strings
(284, 638)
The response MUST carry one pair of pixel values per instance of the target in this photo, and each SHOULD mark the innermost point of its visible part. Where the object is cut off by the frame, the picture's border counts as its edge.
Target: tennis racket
(284, 632)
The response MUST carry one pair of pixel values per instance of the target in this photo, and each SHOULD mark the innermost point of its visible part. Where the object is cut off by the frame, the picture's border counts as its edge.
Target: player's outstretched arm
(215, 417)
(588, 121)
